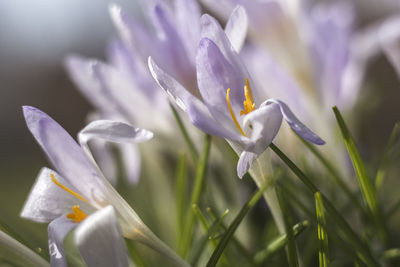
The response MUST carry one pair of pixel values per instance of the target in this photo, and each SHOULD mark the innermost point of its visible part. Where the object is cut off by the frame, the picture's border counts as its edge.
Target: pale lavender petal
(295, 123)
(57, 230)
(176, 59)
(194, 108)
(65, 154)
(99, 240)
(214, 76)
(261, 125)
(246, 159)
(113, 131)
(236, 28)
(135, 34)
(211, 29)
(103, 154)
(131, 159)
(47, 201)
(332, 25)
(187, 14)
(82, 72)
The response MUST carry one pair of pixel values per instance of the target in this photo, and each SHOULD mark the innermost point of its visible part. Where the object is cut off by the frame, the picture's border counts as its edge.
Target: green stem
(198, 185)
(349, 234)
(188, 140)
(180, 193)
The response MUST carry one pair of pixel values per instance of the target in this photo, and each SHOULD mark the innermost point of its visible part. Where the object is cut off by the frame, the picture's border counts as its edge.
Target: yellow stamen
(231, 111)
(248, 104)
(67, 189)
(77, 215)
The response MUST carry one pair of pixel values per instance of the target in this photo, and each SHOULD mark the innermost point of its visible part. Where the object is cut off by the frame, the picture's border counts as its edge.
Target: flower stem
(198, 185)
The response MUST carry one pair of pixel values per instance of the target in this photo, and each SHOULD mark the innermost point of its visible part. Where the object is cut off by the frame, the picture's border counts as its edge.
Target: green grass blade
(348, 234)
(198, 185)
(393, 253)
(235, 224)
(380, 175)
(186, 136)
(291, 244)
(278, 243)
(323, 253)
(334, 174)
(210, 230)
(365, 183)
(180, 192)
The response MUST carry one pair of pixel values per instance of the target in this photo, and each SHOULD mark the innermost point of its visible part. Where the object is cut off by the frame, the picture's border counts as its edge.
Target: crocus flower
(123, 88)
(230, 107)
(78, 188)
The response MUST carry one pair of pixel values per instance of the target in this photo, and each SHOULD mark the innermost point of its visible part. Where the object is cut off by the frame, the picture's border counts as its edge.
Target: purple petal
(174, 51)
(57, 230)
(65, 154)
(187, 14)
(99, 240)
(236, 28)
(104, 157)
(215, 75)
(295, 124)
(194, 108)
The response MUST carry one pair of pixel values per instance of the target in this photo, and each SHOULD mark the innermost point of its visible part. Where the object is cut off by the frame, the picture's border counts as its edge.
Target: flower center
(77, 215)
(248, 104)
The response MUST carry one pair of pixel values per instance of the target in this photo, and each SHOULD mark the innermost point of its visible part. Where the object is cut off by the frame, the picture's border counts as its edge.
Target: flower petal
(215, 74)
(187, 14)
(236, 28)
(113, 131)
(99, 240)
(57, 230)
(66, 155)
(83, 74)
(262, 125)
(103, 154)
(194, 108)
(130, 156)
(295, 124)
(47, 201)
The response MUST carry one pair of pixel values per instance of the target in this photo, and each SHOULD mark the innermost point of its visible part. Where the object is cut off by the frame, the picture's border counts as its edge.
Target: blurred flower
(224, 86)
(80, 185)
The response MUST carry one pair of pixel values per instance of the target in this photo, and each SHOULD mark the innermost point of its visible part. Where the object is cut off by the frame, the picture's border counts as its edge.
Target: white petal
(99, 240)
(57, 231)
(46, 200)
(236, 28)
(131, 159)
(113, 131)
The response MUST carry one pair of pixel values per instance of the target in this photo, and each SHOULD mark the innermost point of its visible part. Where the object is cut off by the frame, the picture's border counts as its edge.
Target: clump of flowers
(175, 67)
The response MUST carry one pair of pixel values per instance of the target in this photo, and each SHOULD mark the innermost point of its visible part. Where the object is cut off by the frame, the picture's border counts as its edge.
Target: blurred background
(36, 36)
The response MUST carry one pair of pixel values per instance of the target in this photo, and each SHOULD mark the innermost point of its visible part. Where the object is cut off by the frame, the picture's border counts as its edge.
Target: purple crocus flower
(123, 88)
(78, 188)
(229, 107)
